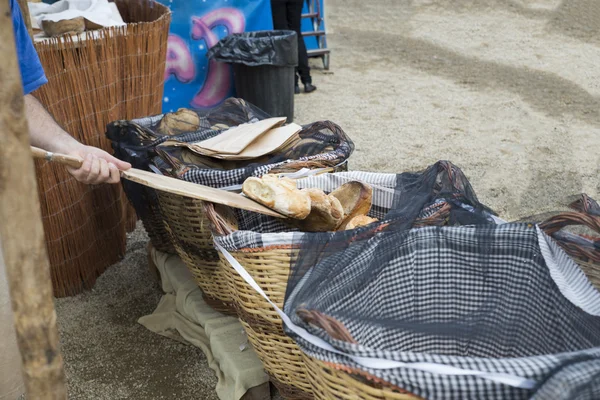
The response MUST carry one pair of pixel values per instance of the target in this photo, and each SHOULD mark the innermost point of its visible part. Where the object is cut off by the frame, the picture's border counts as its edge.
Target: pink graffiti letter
(218, 79)
(179, 60)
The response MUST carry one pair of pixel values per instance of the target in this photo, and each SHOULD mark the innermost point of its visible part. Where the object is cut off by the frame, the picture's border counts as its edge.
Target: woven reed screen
(116, 73)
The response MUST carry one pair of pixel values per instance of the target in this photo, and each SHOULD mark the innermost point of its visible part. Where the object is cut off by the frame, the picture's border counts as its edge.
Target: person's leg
(295, 19)
(279, 13)
(279, 10)
(290, 6)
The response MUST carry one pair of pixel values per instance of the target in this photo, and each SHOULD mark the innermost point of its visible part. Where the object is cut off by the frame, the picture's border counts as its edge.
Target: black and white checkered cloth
(493, 298)
(259, 230)
(224, 178)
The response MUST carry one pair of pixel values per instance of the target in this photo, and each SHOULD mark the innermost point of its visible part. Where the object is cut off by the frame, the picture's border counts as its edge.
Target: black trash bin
(263, 66)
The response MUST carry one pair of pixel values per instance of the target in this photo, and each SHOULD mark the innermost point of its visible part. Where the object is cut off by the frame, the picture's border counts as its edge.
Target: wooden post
(22, 234)
(26, 17)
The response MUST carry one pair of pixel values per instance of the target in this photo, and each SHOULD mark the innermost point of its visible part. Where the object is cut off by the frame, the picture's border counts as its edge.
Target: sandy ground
(508, 90)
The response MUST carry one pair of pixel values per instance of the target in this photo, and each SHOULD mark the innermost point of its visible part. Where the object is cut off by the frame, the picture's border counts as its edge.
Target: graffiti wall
(191, 80)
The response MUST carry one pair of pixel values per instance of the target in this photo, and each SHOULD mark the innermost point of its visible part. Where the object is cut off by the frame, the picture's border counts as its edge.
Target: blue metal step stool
(314, 32)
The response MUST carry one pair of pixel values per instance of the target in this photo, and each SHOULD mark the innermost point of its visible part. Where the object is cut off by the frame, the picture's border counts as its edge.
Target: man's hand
(98, 166)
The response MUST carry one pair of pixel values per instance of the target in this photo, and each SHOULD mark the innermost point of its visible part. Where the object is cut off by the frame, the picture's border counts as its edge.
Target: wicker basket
(279, 354)
(187, 225)
(270, 268)
(286, 370)
(332, 381)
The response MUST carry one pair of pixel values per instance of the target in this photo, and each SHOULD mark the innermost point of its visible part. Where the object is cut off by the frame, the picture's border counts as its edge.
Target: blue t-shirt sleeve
(32, 73)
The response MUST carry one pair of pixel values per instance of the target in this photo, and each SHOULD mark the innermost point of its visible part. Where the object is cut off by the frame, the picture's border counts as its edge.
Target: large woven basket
(321, 144)
(152, 218)
(270, 267)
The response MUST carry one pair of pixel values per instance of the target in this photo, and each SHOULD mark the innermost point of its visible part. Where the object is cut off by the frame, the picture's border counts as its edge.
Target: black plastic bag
(278, 48)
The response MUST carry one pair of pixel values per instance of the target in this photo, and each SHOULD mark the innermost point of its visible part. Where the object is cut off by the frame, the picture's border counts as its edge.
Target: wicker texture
(115, 73)
(186, 223)
(331, 383)
(270, 268)
(280, 355)
(282, 360)
(154, 225)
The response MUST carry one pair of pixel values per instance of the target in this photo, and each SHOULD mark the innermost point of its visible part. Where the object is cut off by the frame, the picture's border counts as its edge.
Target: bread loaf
(182, 121)
(326, 213)
(359, 220)
(280, 195)
(355, 198)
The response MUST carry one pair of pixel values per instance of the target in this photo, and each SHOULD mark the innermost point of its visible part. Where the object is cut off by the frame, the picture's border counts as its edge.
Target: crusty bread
(359, 220)
(280, 195)
(287, 182)
(326, 213)
(355, 198)
(182, 121)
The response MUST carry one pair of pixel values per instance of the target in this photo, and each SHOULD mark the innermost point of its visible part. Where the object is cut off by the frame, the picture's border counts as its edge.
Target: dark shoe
(309, 87)
(297, 89)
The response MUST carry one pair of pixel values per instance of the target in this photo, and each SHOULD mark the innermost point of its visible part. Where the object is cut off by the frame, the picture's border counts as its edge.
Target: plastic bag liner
(277, 48)
(472, 311)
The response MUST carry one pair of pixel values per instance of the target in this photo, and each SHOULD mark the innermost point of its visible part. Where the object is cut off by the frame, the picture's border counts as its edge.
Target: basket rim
(369, 377)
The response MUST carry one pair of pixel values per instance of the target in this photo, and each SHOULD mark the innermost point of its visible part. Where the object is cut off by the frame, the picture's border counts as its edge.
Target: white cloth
(100, 12)
(183, 315)
(11, 379)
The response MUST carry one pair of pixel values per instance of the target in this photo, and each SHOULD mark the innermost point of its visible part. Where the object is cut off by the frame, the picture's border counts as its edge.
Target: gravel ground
(508, 90)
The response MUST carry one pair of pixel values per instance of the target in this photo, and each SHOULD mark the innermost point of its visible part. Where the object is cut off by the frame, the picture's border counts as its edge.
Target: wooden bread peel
(171, 185)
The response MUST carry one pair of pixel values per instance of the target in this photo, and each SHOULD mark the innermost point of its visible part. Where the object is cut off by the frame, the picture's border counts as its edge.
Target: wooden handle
(70, 161)
(559, 221)
(576, 250)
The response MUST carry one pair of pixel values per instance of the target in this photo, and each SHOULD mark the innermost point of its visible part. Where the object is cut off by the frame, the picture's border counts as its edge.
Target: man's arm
(98, 166)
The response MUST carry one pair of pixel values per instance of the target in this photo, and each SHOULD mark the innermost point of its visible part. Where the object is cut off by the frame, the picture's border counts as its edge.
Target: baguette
(326, 213)
(359, 220)
(182, 121)
(280, 195)
(355, 198)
